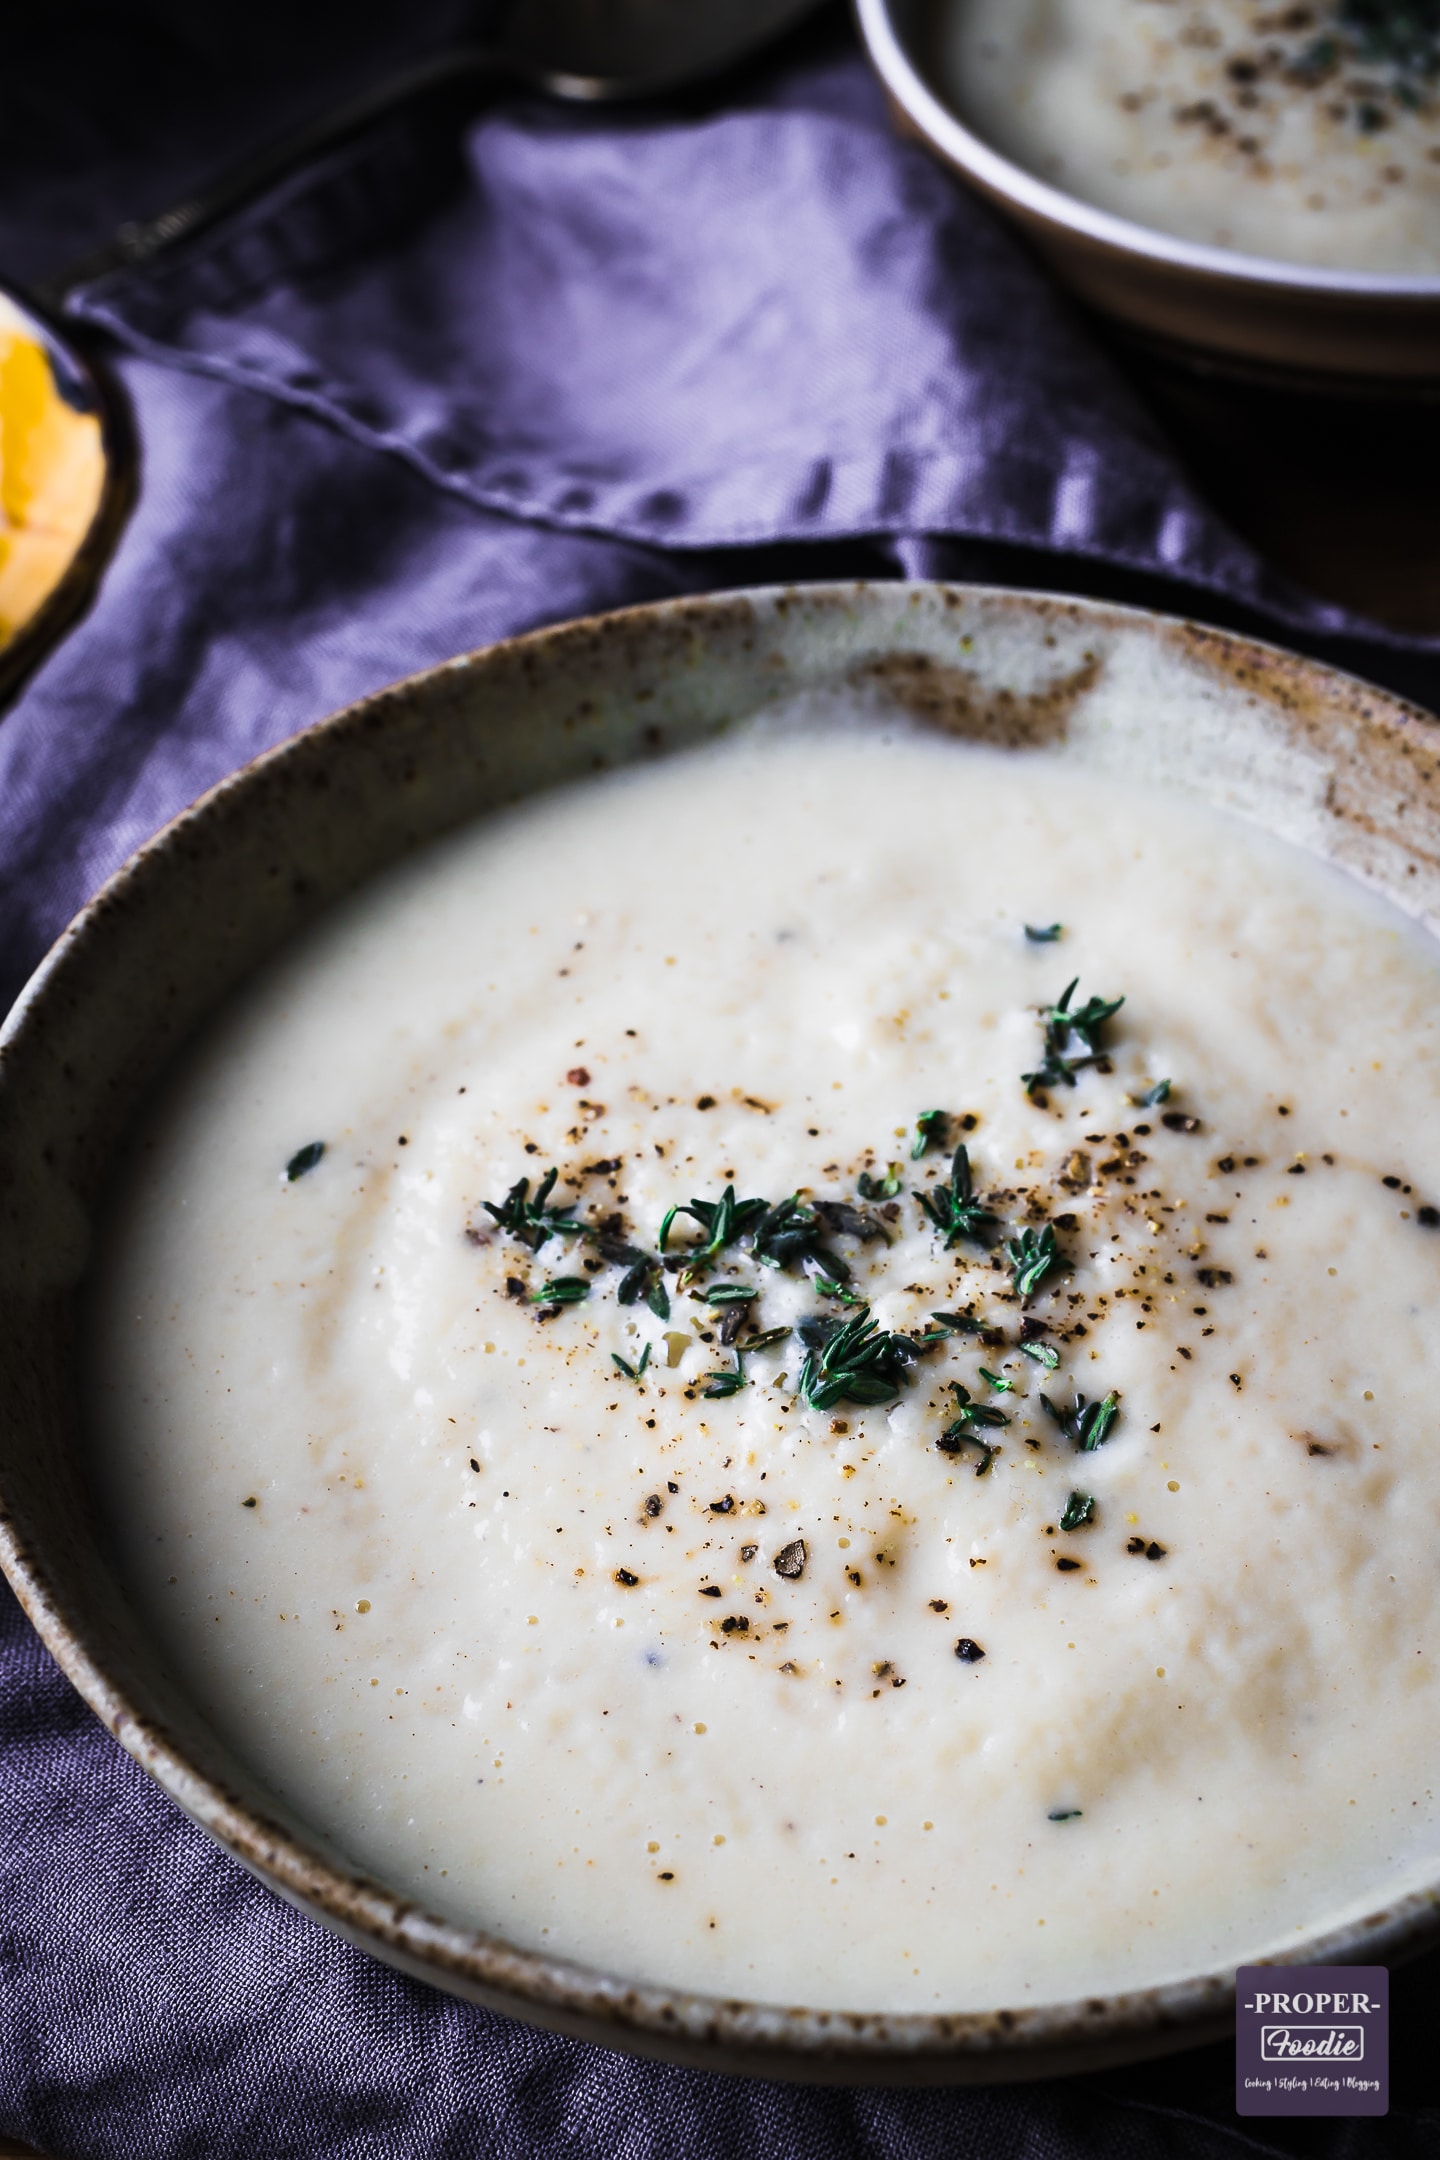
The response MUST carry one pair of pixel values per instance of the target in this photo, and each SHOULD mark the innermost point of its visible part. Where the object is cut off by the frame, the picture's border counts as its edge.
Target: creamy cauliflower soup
(809, 1371)
(1305, 133)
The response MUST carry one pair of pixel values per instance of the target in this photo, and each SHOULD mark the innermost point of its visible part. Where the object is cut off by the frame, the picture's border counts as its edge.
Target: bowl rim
(1012, 183)
(773, 2040)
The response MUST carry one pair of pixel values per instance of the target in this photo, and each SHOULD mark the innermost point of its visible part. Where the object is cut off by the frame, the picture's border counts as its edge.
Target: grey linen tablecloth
(445, 386)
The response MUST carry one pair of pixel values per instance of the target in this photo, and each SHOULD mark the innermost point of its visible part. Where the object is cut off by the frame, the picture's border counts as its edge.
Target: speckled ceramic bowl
(1320, 328)
(1313, 756)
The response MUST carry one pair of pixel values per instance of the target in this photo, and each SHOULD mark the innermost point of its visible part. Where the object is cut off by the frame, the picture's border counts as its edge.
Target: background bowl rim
(1015, 184)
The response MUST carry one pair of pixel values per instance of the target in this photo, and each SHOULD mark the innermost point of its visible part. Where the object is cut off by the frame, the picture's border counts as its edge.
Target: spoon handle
(457, 74)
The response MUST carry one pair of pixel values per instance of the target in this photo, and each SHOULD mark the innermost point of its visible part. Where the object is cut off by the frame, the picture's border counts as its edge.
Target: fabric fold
(773, 324)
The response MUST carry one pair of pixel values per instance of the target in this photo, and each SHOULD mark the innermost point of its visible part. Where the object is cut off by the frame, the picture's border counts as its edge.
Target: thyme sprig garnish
(729, 1294)
(1063, 1025)
(1044, 1353)
(970, 1421)
(304, 1160)
(726, 1383)
(886, 1188)
(1053, 1072)
(1044, 933)
(953, 1208)
(856, 1361)
(842, 1220)
(562, 1290)
(1084, 1020)
(1153, 1096)
(829, 1288)
(767, 1340)
(1032, 1255)
(785, 1232)
(632, 1372)
(928, 1127)
(722, 1220)
(531, 1221)
(997, 1381)
(1079, 1509)
(1086, 1425)
(642, 1276)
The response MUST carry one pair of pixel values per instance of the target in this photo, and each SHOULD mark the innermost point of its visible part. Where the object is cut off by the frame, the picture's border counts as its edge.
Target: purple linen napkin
(774, 322)
(429, 394)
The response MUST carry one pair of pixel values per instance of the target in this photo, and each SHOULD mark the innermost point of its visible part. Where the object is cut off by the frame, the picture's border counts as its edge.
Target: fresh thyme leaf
(970, 1413)
(729, 1294)
(562, 1290)
(1153, 1095)
(1086, 1424)
(1079, 1509)
(304, 1159)
(927, 1132)
(1044, 1353)
(726, 1383)
(1065, 1814)
(855, 1362)
(1100, 1419)
(642, 1277)
(1053, 1072)
(631, 1372)
(722, 1220)
(1062, 1022)
(842, 1220)
(885, 1188)
(996, 1380)
(971, 1419)
(531, 1221)
(1044, 933)
(956, 1323)
(1031, 1256)
(787, 1232)
(953, 1208)
(669, 1217)
(827, 1288)
(768, 1340)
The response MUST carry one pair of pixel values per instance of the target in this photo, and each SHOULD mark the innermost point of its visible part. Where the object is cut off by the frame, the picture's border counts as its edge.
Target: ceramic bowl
(1315, 757)
(1320, 328)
